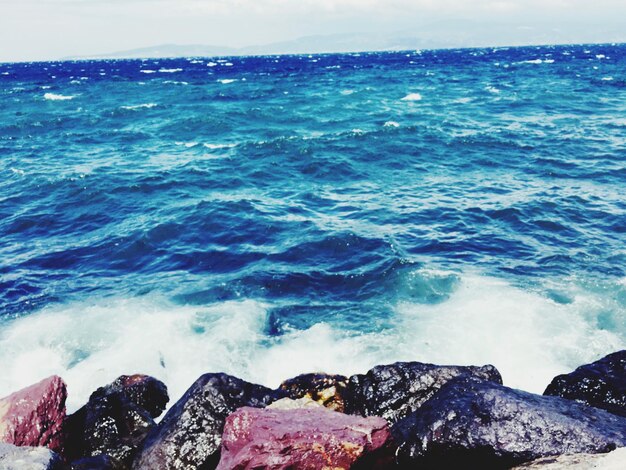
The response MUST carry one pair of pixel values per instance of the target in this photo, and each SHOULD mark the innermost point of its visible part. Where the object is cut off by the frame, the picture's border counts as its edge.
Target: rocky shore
(404, 415)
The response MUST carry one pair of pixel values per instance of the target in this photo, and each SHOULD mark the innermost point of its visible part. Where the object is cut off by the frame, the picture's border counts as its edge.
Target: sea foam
(56, 97)
(527, 336)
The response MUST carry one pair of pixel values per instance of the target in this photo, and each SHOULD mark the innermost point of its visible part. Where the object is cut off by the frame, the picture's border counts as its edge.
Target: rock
(328, 390)
(100, 462)
(116, 419)
(34, 416)
(28, 458)
(190, 434)
(313, 438)
(612, 461)
(289, 404)
(472, 423)
(601, 384)
(394, 391)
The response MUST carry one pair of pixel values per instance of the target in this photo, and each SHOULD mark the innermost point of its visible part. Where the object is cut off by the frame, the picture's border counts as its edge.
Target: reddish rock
(311, 438)
(34, 416)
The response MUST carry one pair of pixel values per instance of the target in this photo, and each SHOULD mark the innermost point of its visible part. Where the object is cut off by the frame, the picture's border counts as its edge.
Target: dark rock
(115, 421)
(100, 462)
(327, 390)
(472, 423)
(396, 390)
(601, 384)
(28, 458)
(34, 416)
(306, 439)
(190, 434)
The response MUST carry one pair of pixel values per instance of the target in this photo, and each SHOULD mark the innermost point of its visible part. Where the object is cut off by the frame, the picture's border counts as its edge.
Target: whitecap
(607, 79)
(492, 89)
(219, 146)
(464, 100)
(146, 71)
(140, 106)
(391, 124)
(226, 81)
(538, 61)
(600, 56)
(412, 97)
(211, 64)
(170, 70)
(5, 73)
(57, 97)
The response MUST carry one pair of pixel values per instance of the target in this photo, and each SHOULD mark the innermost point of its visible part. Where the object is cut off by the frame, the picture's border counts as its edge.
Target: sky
(52, 29)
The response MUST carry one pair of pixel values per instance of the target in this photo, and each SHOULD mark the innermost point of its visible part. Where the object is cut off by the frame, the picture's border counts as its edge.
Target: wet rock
(472, 423)
(396, 390)
(601, 384)
(28, 458)
(34, 416)
(100, 462)
(190, 434)
(312, 438)
(328, 390)
(116, 419)
(613, 461)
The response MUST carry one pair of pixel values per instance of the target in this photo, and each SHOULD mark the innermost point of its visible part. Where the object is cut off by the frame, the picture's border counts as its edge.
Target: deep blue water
(339, 195)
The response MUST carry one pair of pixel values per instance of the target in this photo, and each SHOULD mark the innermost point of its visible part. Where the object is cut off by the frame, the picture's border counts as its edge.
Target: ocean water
(267, 216)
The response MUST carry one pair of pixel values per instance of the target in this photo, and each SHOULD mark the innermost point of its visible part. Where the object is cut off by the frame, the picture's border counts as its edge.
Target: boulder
(313, 438)
(394, 391)
(28, 458)
(611, 461)
(190, 434)
(328, 390)
(34, 416)
(472, 423)
(116, 420)
(601, 384)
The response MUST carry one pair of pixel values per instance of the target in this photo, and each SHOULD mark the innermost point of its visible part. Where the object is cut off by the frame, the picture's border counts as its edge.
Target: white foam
(148, 71)
(492, 89)
(211, 64)
(600, 56)
(56, 97)
(529, 337)
(412, 97)
(226, 81)
(140, 106)
(170, 70)
(5, 73)
(218, 146)
(538, 61)
(391, 124)
(607, 79)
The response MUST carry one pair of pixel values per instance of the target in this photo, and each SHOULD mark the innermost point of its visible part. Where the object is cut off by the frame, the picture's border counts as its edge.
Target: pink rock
(34, 416)
(309, 438)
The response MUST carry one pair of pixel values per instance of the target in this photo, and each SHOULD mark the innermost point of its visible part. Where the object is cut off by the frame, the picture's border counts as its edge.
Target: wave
(140, 106)
(530, 337)
(56, 97)
(412, 97)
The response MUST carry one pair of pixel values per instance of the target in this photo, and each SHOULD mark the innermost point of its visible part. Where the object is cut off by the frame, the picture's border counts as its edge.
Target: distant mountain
(449, 34)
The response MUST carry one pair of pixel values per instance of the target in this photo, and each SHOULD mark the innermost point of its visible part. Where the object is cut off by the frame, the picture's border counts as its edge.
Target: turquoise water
(273, 215)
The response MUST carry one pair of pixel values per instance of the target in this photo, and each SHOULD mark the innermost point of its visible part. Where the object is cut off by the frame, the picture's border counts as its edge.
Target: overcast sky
(50, 29)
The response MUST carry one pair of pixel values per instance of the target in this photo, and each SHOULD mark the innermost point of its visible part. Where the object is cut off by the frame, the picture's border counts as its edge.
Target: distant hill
(448, 34)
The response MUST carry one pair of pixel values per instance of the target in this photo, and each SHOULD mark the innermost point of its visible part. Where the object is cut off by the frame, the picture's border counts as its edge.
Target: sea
(270, 216)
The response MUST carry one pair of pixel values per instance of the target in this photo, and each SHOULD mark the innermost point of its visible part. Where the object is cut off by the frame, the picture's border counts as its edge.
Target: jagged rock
(601, 384)
(328, 390)
(313, 438)
(298, 404)
(28, 458)
(615, 460)
(116, 419)
(472, 423)
(190, 434)
(34, 416)
(396, 390)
